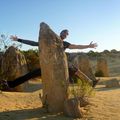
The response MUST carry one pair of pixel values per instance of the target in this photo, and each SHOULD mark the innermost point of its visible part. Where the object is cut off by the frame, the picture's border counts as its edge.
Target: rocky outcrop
(13, 66)
(112, 83)
(54, 69)
(102, 68)
(72, 108)
(1, 57)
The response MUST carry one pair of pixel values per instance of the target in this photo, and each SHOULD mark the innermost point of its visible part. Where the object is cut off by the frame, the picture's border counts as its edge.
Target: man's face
(64, 35)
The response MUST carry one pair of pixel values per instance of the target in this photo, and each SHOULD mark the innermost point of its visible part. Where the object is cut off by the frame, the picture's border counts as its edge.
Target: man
(63, 35)
(37, 72)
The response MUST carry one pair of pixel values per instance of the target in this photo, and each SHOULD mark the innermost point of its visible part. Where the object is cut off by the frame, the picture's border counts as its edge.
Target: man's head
(63, 34)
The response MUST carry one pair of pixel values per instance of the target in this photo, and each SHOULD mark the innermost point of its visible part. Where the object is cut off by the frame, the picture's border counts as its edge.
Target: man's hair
(63, 31)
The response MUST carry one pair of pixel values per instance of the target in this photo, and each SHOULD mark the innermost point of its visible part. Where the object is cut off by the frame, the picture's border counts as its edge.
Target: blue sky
(86, 20)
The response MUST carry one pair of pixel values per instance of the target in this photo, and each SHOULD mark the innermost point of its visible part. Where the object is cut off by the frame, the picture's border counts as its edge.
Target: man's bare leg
(82, 76)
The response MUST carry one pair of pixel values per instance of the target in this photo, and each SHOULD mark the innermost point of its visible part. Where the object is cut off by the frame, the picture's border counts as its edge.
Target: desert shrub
(114, 51)
(81, 89)
(93, 54)
(85, 89)
(99, 73)
(32, 59)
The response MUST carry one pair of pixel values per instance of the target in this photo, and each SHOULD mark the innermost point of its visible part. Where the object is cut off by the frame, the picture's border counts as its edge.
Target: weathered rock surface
(112, 83)
(102, 67)
(13, 66)
(54, 69)
(72, 108)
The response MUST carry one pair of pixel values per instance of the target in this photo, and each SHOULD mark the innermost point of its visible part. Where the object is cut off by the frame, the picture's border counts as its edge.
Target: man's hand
(15, 38)
(92, 45)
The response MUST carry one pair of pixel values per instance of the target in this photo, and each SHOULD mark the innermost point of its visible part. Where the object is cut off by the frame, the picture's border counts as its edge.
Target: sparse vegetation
(32, 59)
(82, 89)
(5, 43)
(99, 73)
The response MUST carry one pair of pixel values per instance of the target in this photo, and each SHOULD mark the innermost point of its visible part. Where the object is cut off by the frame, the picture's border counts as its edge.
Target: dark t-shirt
(66, 44)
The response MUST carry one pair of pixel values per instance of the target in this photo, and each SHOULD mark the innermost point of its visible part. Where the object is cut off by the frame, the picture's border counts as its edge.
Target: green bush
(99, 73)
(32, 59)
(81, 89)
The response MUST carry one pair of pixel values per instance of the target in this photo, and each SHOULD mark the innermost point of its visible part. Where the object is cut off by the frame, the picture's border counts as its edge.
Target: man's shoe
(95, 83)
(4, 85)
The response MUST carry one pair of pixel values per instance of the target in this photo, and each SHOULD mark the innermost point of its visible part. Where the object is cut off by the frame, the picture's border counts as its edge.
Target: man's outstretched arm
(28, 42)
(91, 45)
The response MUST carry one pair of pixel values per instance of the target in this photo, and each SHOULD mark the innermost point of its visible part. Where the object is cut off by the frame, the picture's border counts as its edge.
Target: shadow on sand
(31, 114)
(32, 87)
(103, 88)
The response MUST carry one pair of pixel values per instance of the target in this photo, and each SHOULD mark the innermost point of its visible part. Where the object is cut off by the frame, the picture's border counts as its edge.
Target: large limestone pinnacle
(54, 69)
(102, 66)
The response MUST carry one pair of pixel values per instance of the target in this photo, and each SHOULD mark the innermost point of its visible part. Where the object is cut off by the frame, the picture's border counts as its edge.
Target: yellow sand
(105, 105)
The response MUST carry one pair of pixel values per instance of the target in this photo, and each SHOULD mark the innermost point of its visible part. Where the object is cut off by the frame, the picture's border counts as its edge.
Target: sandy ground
(105, 105)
